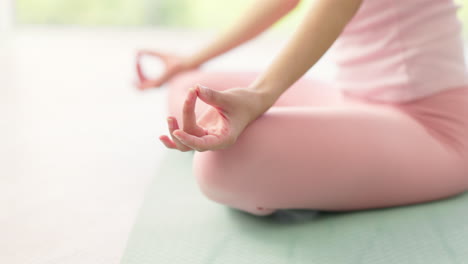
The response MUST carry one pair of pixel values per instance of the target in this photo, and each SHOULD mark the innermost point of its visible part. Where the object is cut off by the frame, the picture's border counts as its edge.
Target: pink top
(399, 50)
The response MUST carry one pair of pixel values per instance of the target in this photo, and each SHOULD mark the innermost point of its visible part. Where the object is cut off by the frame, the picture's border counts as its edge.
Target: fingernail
(192, 90)
(202, 86)
(169, 121)
(178, 138)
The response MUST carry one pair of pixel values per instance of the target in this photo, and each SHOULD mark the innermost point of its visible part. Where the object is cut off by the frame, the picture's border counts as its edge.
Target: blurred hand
(173, 66)
(218, 127)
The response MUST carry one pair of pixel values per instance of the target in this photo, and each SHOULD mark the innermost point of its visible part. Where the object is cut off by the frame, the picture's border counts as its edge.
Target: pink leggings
(319, 149)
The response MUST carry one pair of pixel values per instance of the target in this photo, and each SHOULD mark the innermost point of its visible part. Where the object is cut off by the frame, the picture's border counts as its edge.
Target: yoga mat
(177, 224)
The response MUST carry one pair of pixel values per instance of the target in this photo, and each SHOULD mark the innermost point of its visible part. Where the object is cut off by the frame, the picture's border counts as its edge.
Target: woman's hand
(218, 127)
(173, 66)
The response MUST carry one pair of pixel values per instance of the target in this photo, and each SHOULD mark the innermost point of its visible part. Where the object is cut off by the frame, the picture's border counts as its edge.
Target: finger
(157, 54)
(210, 96)
(146, 85)
(137, 84)
(173, 125)
(140, 86)
(151, 84)
(207, 142)
(141, 75)
(167, 142)
(189, 117)
(157, 82)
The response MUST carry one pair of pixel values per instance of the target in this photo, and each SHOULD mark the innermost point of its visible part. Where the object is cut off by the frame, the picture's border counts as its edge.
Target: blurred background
(78, 143)
(143, 13)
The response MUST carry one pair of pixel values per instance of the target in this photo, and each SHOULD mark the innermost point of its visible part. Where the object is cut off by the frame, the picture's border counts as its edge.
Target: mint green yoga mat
(177, 224)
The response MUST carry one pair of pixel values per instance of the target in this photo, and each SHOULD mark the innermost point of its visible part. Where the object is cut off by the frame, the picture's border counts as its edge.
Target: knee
(210, 172)
(222, 180)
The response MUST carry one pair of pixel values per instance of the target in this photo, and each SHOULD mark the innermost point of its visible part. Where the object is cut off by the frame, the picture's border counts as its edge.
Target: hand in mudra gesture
(219, 126)
(173, 65)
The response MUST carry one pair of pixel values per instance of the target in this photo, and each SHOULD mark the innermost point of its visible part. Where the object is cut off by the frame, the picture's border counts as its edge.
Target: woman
(395, 133)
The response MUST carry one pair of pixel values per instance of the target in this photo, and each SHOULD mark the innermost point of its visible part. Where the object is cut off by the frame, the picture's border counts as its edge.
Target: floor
(78, 144)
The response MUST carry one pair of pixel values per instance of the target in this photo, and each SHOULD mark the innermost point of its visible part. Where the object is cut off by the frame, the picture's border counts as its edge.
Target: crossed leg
(318, 150)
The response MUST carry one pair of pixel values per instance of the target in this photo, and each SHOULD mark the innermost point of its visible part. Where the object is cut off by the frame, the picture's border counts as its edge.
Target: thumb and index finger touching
(209, 96)
(212, 97)
(143, 81)
(192, 134)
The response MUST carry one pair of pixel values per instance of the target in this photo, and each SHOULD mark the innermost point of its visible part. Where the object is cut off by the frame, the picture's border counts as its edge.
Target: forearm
(320, 28)
(260, 16)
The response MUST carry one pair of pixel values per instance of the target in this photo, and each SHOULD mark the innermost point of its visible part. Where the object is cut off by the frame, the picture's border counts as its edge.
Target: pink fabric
(319, 149)
(401, 50)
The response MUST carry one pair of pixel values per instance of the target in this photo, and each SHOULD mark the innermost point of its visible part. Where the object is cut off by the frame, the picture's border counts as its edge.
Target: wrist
(265, 95)
(191, 63)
